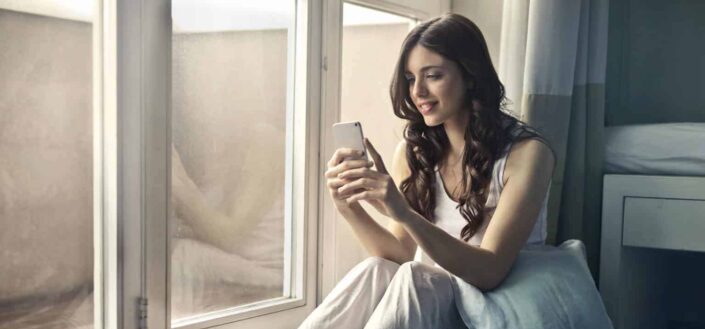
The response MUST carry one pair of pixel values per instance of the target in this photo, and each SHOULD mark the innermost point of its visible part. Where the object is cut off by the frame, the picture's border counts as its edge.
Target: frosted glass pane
(46, 170)
(229, 89)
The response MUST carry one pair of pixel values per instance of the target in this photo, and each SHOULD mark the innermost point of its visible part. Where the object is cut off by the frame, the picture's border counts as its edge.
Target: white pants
(379, 293)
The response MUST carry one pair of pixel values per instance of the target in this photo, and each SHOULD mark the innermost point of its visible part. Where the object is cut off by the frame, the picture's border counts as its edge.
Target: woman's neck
(455, 130)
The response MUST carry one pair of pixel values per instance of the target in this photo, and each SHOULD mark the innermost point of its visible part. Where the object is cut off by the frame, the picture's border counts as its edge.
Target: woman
(472, 188)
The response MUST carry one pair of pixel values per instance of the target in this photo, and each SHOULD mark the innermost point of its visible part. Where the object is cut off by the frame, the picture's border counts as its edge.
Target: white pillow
(549, 287)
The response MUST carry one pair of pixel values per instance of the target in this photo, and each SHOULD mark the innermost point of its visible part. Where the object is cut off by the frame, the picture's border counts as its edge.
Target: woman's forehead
(421, 58)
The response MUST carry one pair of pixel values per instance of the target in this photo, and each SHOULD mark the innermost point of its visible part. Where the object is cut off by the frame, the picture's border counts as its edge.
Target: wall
(487, 15)
(656, 62)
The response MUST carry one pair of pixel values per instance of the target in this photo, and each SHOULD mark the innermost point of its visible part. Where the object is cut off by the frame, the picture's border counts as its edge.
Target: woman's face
(436, 86)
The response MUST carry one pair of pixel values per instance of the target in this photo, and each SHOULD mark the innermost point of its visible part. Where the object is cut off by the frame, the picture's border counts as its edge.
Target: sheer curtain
(552, 61)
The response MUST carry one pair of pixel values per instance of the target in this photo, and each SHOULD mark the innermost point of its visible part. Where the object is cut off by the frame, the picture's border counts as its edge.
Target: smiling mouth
(426, 108)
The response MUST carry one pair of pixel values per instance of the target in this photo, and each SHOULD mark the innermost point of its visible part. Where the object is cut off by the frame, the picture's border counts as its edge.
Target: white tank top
(448, 215)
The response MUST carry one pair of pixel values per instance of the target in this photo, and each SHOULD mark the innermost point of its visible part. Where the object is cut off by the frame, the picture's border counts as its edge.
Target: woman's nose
(419, 90)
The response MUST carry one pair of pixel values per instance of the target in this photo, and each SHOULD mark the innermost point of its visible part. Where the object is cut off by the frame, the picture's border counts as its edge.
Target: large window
(231, 130)
(46, 164)
(162, 161)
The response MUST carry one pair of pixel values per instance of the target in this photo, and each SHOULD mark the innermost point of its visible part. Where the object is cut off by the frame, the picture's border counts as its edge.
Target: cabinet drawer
(664, 223)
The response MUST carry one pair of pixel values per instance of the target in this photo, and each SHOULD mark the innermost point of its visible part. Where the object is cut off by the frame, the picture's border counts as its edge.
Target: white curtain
(552, 62)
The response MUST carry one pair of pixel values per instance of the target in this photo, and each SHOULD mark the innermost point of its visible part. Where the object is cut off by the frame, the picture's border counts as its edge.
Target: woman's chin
(431, 121)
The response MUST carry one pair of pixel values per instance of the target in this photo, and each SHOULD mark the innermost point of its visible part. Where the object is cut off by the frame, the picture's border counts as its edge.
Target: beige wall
(487, 15)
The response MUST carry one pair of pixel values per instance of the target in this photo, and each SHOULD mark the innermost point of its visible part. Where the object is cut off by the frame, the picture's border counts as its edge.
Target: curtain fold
(552, 61)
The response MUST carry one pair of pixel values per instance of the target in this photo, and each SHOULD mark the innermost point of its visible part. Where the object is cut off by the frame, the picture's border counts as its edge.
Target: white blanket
(656, 149)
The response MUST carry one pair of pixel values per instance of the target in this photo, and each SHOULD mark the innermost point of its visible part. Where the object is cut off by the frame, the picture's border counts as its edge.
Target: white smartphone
(349, 134)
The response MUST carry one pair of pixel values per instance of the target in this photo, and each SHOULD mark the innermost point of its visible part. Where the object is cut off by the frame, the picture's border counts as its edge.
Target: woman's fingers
(343, 162)
(364, 195)
(334, 187)
(376, 157)
(342, 153)
(336, 183)
(361, 183)
(353, 174)
(346, 166)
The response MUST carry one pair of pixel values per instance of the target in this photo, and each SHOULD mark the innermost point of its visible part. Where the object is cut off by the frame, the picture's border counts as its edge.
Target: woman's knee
(412, 269)
(376, 263)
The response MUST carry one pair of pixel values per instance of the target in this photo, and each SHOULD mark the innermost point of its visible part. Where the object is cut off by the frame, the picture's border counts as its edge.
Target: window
(164, 164)
(234, 230)
(47, 165)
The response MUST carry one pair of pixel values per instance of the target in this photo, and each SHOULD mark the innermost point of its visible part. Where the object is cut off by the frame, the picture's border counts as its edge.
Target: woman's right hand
(337, 165)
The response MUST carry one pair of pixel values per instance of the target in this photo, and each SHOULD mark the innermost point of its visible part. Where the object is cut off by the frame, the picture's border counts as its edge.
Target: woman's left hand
(375, 186)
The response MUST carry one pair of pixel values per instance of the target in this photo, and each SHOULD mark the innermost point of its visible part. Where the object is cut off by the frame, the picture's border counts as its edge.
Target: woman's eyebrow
(426, 68)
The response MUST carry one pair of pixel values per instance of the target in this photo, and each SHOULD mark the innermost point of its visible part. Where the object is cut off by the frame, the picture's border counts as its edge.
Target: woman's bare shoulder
(529, 154)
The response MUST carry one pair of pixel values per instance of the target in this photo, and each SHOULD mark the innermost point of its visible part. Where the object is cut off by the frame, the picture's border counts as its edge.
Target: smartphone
(349, 134)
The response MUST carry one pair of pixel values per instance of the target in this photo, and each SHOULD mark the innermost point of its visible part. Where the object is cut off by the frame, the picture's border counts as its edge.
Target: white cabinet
(653, 251)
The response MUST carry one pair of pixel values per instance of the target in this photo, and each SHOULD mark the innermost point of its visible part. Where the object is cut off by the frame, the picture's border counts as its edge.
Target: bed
(656, 149)
(653, 220)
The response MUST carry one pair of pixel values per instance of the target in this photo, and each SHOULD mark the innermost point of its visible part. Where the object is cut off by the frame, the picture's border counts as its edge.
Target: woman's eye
(433, 76)
(410, 79)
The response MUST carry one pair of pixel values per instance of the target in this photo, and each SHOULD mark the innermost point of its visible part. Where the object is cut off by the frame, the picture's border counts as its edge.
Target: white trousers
(380, 294)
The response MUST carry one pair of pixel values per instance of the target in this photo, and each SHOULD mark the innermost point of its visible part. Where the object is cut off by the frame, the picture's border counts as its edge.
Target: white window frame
(132, 123)
(330, 98)
(132, 161)
(301, 205)
(131, 98)
(107, 278)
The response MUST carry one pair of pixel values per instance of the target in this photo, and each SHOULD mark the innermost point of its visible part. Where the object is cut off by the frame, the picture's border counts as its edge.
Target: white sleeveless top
(448, 215)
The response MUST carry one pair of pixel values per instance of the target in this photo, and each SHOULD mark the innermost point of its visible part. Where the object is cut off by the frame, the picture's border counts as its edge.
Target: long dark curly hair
(490, 128)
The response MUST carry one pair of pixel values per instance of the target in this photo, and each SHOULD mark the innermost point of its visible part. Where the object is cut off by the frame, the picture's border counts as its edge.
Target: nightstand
(652, 261)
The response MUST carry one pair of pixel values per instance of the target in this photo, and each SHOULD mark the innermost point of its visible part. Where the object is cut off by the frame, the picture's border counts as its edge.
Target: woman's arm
(377, 240)
(486, 266)
(394, 242)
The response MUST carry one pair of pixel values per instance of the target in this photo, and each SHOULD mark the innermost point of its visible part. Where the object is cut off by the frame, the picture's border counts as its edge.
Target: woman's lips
(426, 108)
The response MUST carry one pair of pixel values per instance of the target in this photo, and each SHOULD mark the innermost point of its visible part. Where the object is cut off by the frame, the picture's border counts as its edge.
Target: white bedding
(656, 149)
